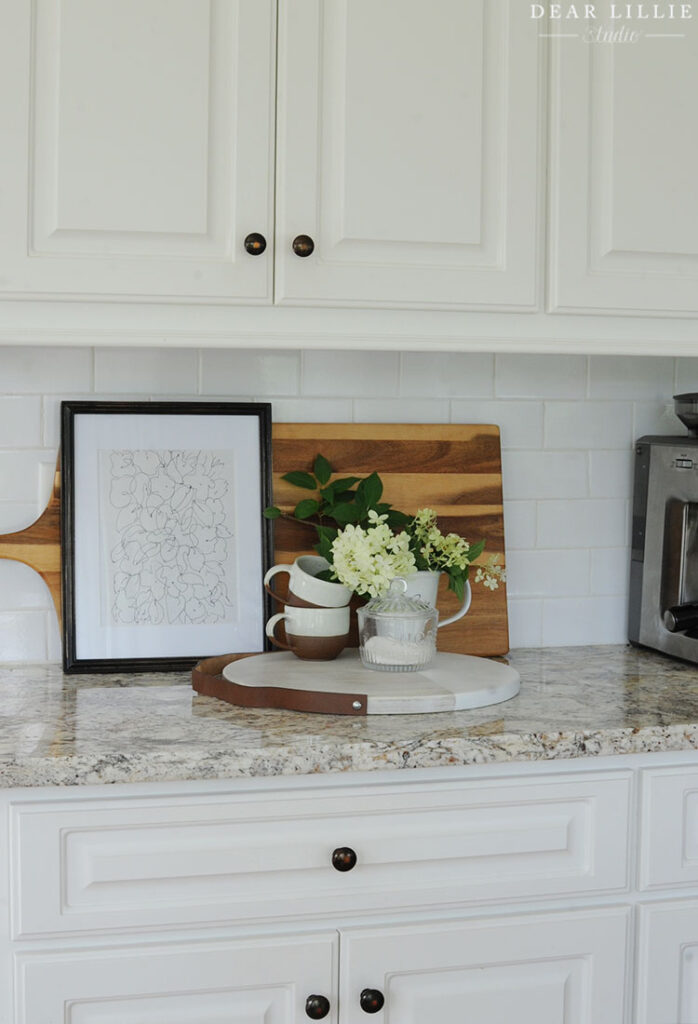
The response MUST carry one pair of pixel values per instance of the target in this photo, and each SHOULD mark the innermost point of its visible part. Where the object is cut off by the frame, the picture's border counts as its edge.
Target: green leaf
(369, 491)
(397, 520)
(322, 469)
(344, 496)
(328, 493)
(344, 482)
(272, 512)
(324, 549)
(306, 508)
(327, 531)
(346, 512)
(457, 585)
(476, 550)
(326, 574)
(298, 479)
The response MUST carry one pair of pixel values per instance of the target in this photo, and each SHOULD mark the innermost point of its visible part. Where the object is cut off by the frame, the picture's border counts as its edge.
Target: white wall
(568, 423)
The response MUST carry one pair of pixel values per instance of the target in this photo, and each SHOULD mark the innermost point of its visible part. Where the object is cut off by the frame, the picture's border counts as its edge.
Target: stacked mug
(316, 612)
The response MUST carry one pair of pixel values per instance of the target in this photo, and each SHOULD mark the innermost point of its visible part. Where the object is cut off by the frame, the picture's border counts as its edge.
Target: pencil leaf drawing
(168, 521)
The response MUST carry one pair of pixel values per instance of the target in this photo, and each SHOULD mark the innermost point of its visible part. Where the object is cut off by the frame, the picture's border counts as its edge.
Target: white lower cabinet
(476, 895)
(668, 963)
(533, 969)
(253, 981)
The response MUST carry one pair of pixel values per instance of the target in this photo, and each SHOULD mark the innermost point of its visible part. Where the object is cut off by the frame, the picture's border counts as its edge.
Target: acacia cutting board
(454, 469)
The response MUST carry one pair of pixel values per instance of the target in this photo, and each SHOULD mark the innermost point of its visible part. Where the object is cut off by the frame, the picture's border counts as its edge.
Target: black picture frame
(257, 427)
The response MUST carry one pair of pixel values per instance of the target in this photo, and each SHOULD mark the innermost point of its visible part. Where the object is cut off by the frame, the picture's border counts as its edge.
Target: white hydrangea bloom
(367, 560)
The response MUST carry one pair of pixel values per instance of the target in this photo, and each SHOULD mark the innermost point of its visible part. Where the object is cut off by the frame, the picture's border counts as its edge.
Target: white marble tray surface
(453, 682)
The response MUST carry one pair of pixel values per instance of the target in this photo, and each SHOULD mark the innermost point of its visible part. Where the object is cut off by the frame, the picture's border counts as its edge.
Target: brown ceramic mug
(314, 634)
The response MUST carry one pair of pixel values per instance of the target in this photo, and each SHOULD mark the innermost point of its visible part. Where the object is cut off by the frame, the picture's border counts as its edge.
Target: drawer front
(669, 848)
(140, 863)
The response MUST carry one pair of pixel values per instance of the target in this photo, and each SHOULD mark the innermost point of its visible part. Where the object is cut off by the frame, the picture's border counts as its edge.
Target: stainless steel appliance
(664, 557)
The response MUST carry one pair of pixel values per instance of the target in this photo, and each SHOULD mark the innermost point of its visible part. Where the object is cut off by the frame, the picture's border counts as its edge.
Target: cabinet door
(624, 152)
(256, 981)
(137, 147)
(667, 971)
(408, 137)
(542, 969)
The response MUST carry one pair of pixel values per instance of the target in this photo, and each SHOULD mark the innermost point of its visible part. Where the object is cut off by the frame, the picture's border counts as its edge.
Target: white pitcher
(425, 584)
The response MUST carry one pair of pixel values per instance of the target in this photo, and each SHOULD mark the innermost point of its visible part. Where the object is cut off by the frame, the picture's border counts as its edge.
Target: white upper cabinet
(623, 173)
(408, 140)
(138, 148)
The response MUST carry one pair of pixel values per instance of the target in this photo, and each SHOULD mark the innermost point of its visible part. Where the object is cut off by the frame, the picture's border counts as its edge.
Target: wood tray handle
(206, 679)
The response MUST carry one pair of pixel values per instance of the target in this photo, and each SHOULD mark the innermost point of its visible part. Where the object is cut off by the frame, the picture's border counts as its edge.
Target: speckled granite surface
(574, 702)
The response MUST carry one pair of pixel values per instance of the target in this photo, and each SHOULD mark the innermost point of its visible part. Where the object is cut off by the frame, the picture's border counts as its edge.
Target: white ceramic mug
(314, 634)
(304, 589)
(426, 585)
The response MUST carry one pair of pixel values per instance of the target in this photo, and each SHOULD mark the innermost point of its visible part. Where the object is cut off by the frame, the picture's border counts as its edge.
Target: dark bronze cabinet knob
(255, 244)
(343, 859)
(371, 1000)
(303, 245)
(317, 1007)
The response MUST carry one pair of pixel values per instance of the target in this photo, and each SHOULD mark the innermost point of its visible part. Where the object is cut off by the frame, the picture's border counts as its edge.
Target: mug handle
(270, 628)
(270, 574)
(467, 598)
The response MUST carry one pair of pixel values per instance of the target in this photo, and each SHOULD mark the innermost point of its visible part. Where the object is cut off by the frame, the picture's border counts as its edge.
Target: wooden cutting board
(456, 470)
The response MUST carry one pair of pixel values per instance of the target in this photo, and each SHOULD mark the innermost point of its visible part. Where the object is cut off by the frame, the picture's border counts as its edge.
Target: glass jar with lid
(397, 633)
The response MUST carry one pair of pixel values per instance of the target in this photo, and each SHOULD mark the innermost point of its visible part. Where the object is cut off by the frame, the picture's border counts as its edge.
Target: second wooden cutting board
(454, 469)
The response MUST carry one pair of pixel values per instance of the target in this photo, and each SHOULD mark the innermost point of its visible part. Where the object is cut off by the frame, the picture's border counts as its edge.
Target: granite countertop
(574, 702)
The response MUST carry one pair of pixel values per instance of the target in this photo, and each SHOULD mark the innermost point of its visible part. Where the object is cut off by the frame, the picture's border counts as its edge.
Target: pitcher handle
(467, 598)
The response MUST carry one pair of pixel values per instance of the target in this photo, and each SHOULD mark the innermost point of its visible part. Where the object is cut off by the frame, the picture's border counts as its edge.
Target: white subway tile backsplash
(588, 425)
(146, 370)
(398, 410)
(350, 374)
(631, 376)
(26, 369)
(519, 524)
(567, 424)
(655, 418)
(538, 475)
(585, 620)
(20, 422)
(447, 374)
(686, 376)
(610, 571)
(539, 573)
(546, 376)
(238, 372)
(525, 622)
(582, 524)
(310, 410)
(520, 423)
(611, 474)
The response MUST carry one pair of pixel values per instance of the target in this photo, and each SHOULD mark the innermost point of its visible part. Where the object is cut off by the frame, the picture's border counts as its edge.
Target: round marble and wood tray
(454, 682)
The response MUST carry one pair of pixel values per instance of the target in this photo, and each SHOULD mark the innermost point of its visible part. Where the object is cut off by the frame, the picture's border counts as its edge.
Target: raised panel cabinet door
(624, 206)
(252, 981)
(408, 143)
(534, 969)
(137, 148)
(667, 969)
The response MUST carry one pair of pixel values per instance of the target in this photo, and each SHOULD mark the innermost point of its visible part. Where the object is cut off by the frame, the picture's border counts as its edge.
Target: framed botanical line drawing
(164, 545)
